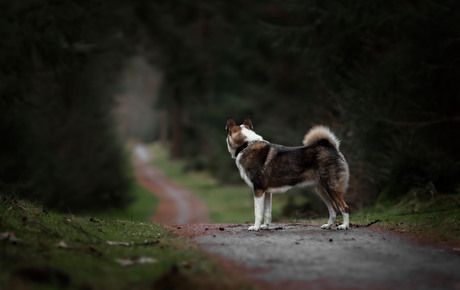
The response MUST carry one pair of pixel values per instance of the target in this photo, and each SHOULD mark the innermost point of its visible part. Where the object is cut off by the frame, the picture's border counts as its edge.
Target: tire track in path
(176, 204)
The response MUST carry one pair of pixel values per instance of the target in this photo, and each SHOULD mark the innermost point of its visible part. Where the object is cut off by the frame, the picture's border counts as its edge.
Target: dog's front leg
(267, 211)
(258, 209)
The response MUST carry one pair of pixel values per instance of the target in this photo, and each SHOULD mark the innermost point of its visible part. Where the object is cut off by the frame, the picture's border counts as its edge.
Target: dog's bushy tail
(319, 133)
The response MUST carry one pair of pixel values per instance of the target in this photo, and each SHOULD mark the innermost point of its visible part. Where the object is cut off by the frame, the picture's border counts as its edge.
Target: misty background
(79, 80)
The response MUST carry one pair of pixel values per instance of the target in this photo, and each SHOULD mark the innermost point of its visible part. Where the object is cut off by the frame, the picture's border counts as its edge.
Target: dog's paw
(254, 228)
(342, 227)
(264, 227)
(326, 227)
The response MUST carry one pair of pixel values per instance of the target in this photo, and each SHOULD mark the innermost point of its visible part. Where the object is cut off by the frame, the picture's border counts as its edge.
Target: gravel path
(300, 256)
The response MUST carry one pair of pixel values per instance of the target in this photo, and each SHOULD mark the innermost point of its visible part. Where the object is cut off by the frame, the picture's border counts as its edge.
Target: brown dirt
(176, 204)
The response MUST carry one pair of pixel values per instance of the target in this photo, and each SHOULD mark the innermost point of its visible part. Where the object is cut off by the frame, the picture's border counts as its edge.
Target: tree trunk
(176, 149)
(163, 118)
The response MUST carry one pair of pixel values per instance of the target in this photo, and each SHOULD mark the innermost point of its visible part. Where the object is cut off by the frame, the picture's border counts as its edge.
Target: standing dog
(269, 168)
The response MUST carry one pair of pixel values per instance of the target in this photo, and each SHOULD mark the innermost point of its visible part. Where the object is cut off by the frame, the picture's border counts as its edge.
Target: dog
(270, 168)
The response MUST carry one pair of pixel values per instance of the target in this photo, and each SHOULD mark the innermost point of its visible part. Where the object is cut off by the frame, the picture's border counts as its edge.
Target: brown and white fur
(270, 168)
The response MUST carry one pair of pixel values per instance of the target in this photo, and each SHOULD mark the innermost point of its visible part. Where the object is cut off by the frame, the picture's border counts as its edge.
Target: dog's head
(237, 136)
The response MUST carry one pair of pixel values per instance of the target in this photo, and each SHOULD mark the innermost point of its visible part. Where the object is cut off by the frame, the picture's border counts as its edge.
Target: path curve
(176, 204)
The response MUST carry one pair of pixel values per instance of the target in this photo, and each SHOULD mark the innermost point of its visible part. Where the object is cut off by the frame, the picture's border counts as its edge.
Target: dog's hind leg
(258, 209)
(337, 197)
(345, 213)
(331, 207)
(267, 211)
(346, 221)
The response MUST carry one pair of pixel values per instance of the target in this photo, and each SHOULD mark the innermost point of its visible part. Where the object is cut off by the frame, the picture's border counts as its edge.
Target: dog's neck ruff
(241, 148)
(244, 146)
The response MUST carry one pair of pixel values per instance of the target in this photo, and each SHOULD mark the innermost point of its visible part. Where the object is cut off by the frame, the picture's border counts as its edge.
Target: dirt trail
(176, 204)
(301, 256)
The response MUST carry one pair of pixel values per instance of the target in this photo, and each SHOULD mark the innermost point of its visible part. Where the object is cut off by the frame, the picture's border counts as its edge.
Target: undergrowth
(437, 215)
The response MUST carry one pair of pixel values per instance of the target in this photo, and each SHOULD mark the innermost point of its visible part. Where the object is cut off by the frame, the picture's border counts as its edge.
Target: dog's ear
(230, 124)
(248, 123)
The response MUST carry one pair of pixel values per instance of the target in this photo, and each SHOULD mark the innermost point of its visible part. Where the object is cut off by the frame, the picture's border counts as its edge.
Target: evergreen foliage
(383, 75)
(58, 140)
(393, 70)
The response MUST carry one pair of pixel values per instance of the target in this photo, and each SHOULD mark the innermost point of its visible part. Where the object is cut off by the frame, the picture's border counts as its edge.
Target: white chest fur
(243, 172)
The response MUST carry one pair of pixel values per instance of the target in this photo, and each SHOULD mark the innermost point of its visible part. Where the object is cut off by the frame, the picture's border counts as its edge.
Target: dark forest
(383, 75)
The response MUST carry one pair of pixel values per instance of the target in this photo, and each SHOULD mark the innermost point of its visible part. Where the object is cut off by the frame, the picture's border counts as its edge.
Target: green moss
(41, 249)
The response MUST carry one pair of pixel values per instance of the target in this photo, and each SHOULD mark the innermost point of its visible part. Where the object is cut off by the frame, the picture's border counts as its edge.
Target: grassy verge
(437, 216)
(46, 250)
(226, 204)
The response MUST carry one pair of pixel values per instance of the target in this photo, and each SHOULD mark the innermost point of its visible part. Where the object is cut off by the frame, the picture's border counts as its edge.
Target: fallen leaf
(136, 260)
(4, 236)
(186, 264)
(9, 236)
(62, 245)
(110, 243)
(147, 243)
